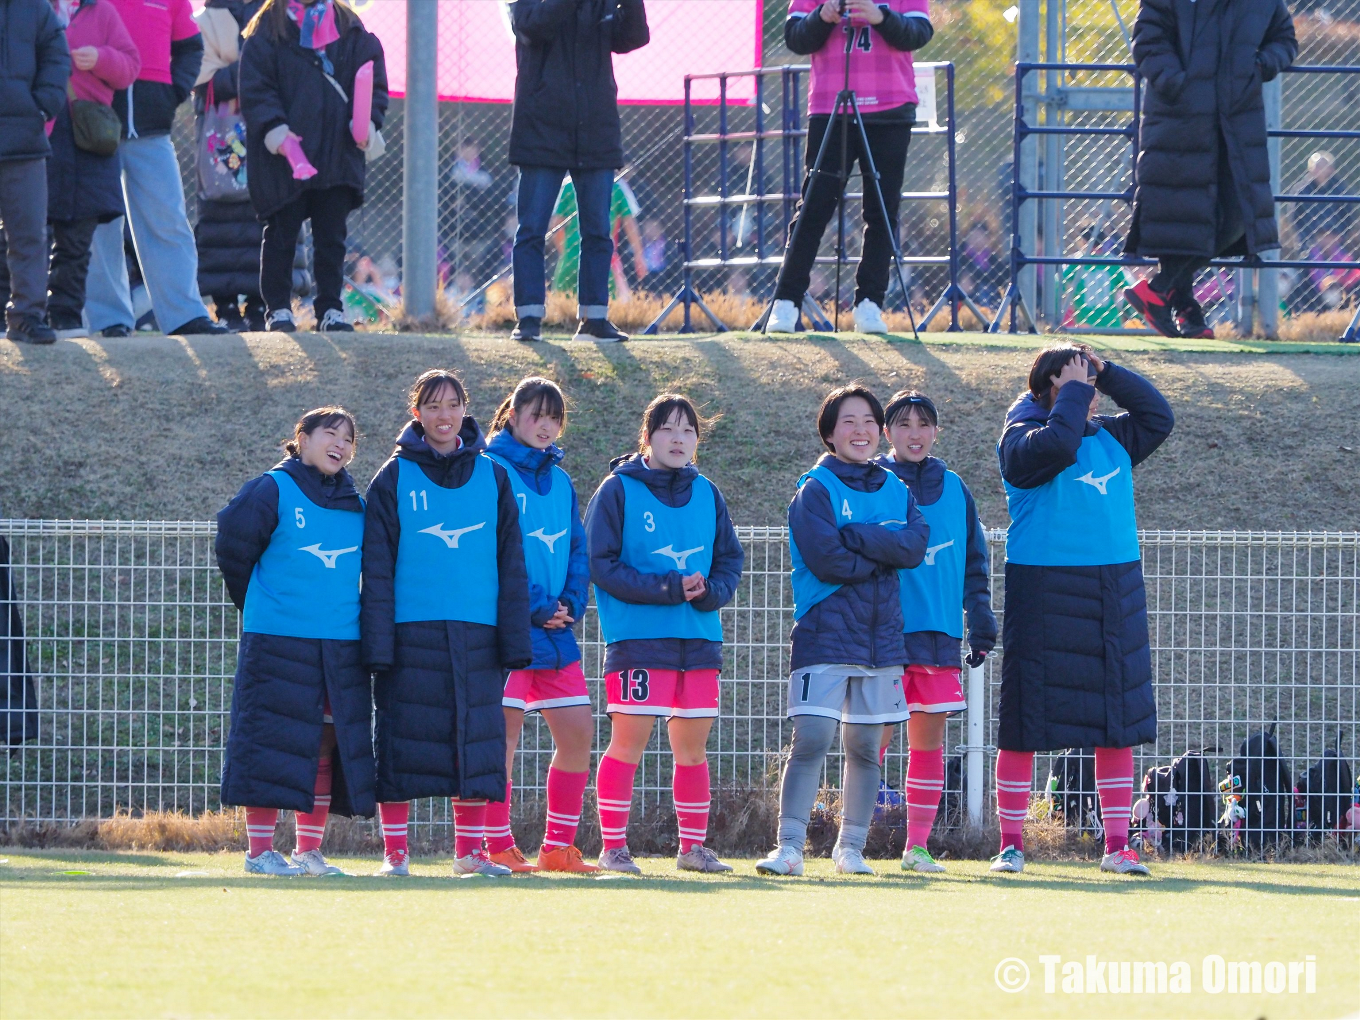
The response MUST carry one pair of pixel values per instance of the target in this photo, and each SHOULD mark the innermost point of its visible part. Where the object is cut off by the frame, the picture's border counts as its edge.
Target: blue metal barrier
(790, 132)
(1013, 301)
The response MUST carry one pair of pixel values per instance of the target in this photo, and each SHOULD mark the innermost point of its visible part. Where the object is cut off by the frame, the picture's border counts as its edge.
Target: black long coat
(566, 101)
(1077, 664)
(440, 729)
(1203, 173)
(34, 67)
(282, 684)
(283, 83)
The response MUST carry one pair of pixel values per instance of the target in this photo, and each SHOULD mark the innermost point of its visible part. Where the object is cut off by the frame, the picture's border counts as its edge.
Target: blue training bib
(545, 524)
(932, 591)
(306, 584)
(1082, 518)
(447, 567)
(886, 506)
(656, 540)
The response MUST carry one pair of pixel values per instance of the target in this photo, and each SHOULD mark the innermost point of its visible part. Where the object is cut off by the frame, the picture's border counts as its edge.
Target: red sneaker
(1153, 308)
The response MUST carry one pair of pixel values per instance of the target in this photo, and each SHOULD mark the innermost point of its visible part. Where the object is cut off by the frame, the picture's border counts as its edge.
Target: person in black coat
(445, 618)
(1077, 665)
(1202, 183)
(228, 232)
(566, 120)
(297, 90)
(34, 67)
(289, 548)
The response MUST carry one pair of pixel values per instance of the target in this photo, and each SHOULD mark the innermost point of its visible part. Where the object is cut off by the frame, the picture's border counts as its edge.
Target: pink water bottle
(297, 159)
(363, 103)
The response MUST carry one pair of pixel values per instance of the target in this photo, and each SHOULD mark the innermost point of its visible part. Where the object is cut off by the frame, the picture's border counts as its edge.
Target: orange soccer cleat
(512, 859)
(563, 858)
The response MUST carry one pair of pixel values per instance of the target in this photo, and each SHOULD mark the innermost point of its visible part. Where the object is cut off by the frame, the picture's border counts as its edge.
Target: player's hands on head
(1074, 371)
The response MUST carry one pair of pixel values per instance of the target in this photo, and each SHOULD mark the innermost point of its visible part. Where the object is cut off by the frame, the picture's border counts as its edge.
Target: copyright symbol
(1012, 975)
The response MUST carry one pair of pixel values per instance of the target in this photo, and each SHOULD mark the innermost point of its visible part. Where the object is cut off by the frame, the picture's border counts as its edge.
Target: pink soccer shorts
(532, 690)
(933, 689)
(673, 694)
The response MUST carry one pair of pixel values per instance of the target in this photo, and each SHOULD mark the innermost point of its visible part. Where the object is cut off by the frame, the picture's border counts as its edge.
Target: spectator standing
(566, 121)
(83, 187)
(1313, 218)
(171, 51)
(1203, 172)
(298, 65)
(35, 65)
(228, 232)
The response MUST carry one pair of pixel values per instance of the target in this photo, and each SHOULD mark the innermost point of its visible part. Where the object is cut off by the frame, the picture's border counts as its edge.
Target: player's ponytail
(534, 393)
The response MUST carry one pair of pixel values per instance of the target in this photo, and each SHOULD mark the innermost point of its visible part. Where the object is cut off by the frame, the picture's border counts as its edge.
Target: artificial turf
(143, 934)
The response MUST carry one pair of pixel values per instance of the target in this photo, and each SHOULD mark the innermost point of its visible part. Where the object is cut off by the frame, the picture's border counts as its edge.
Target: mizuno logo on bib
(545, 522)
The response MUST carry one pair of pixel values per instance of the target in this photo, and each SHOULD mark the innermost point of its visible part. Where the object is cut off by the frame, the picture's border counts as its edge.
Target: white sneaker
(869, 318)
(271, 862)
(783, 860)
(312, 863)
(397, 864)
(479, 864)
(619, 859)
(280, 321)
(783, 318)
(850, 860)
(1124, 862)
(918, 858)
(1009, 860)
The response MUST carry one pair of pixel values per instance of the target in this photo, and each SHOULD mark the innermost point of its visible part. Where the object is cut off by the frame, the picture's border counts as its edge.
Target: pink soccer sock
(260, 824)
(1014, 778)
(395, 818)
(1114, 784)
(498, 834)
(565, 792)
(690, 791)
(925, 784)
(614, 795)
(469, 826)
(311, 825)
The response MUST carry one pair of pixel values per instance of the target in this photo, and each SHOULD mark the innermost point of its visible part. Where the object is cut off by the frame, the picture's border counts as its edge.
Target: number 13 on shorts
(634, 685)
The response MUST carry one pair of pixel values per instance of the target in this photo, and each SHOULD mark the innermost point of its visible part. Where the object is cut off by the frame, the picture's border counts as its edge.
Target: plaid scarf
(316, 26)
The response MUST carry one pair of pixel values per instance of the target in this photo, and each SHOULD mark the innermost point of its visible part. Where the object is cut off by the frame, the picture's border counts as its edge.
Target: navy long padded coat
(1077, 666)
(1203, 174)
(860, 623)
(438, 685)
(282, 683)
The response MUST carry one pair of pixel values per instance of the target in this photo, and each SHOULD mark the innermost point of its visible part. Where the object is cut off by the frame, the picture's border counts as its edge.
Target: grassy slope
(168, 428)
(225, 944)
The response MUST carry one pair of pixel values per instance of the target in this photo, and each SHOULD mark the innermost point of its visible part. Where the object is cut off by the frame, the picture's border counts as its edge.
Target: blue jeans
(162, 236)
(538, 190)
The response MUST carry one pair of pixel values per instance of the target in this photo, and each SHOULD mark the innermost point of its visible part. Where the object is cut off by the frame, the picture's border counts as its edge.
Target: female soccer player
(1076, 669)
(523, 438)
(951, 580)
(445, 615)
(664, 558)
(852, 527)
(288, 546)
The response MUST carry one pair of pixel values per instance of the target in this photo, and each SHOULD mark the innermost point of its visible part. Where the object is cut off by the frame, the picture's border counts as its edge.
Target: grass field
(153, 935)
(167, 428)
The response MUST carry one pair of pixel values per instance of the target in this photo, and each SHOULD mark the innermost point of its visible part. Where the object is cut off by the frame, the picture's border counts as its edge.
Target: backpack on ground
(1072, 791)
(1323, 795)
(1260, 781)
(1178, 809)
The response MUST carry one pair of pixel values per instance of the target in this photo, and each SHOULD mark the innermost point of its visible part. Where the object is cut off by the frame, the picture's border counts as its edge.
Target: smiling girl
(523, 441)
(852, 527)
(950, 581)
(664, 558)
(288, 546)
(445, 615)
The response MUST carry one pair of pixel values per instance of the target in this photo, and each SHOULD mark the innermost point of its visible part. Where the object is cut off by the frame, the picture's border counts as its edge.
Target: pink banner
(477, 49)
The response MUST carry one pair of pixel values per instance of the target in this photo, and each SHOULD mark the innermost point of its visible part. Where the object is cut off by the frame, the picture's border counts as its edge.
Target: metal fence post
(1028, 213)
(420, 173)
(977, 739)
(1268, 286)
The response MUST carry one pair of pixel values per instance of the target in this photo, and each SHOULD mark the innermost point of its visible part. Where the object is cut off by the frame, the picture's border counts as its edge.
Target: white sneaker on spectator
(783, 318)
(334, 321)
(281, 321)
(869, 318)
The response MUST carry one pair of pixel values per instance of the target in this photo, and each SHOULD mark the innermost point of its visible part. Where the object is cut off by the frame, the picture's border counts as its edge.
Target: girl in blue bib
(951, 582)
(523, 441)
(445, 617)
(665, 559)
(289, 548)
(1076, 669)
(852, 527)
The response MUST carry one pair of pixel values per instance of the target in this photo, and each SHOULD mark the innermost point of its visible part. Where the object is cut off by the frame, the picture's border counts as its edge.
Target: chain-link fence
(131, 642)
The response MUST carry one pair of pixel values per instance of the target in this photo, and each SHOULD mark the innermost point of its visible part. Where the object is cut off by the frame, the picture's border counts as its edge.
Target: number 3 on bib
(649, 522)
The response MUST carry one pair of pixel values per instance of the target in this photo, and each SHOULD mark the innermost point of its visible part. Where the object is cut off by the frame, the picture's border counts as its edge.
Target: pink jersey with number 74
(882, 77)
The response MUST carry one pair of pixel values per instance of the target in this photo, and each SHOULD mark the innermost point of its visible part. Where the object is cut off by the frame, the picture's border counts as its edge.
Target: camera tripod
(846, 110)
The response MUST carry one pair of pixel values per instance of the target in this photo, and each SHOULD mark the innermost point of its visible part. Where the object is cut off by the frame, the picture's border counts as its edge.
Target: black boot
(599, 331)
